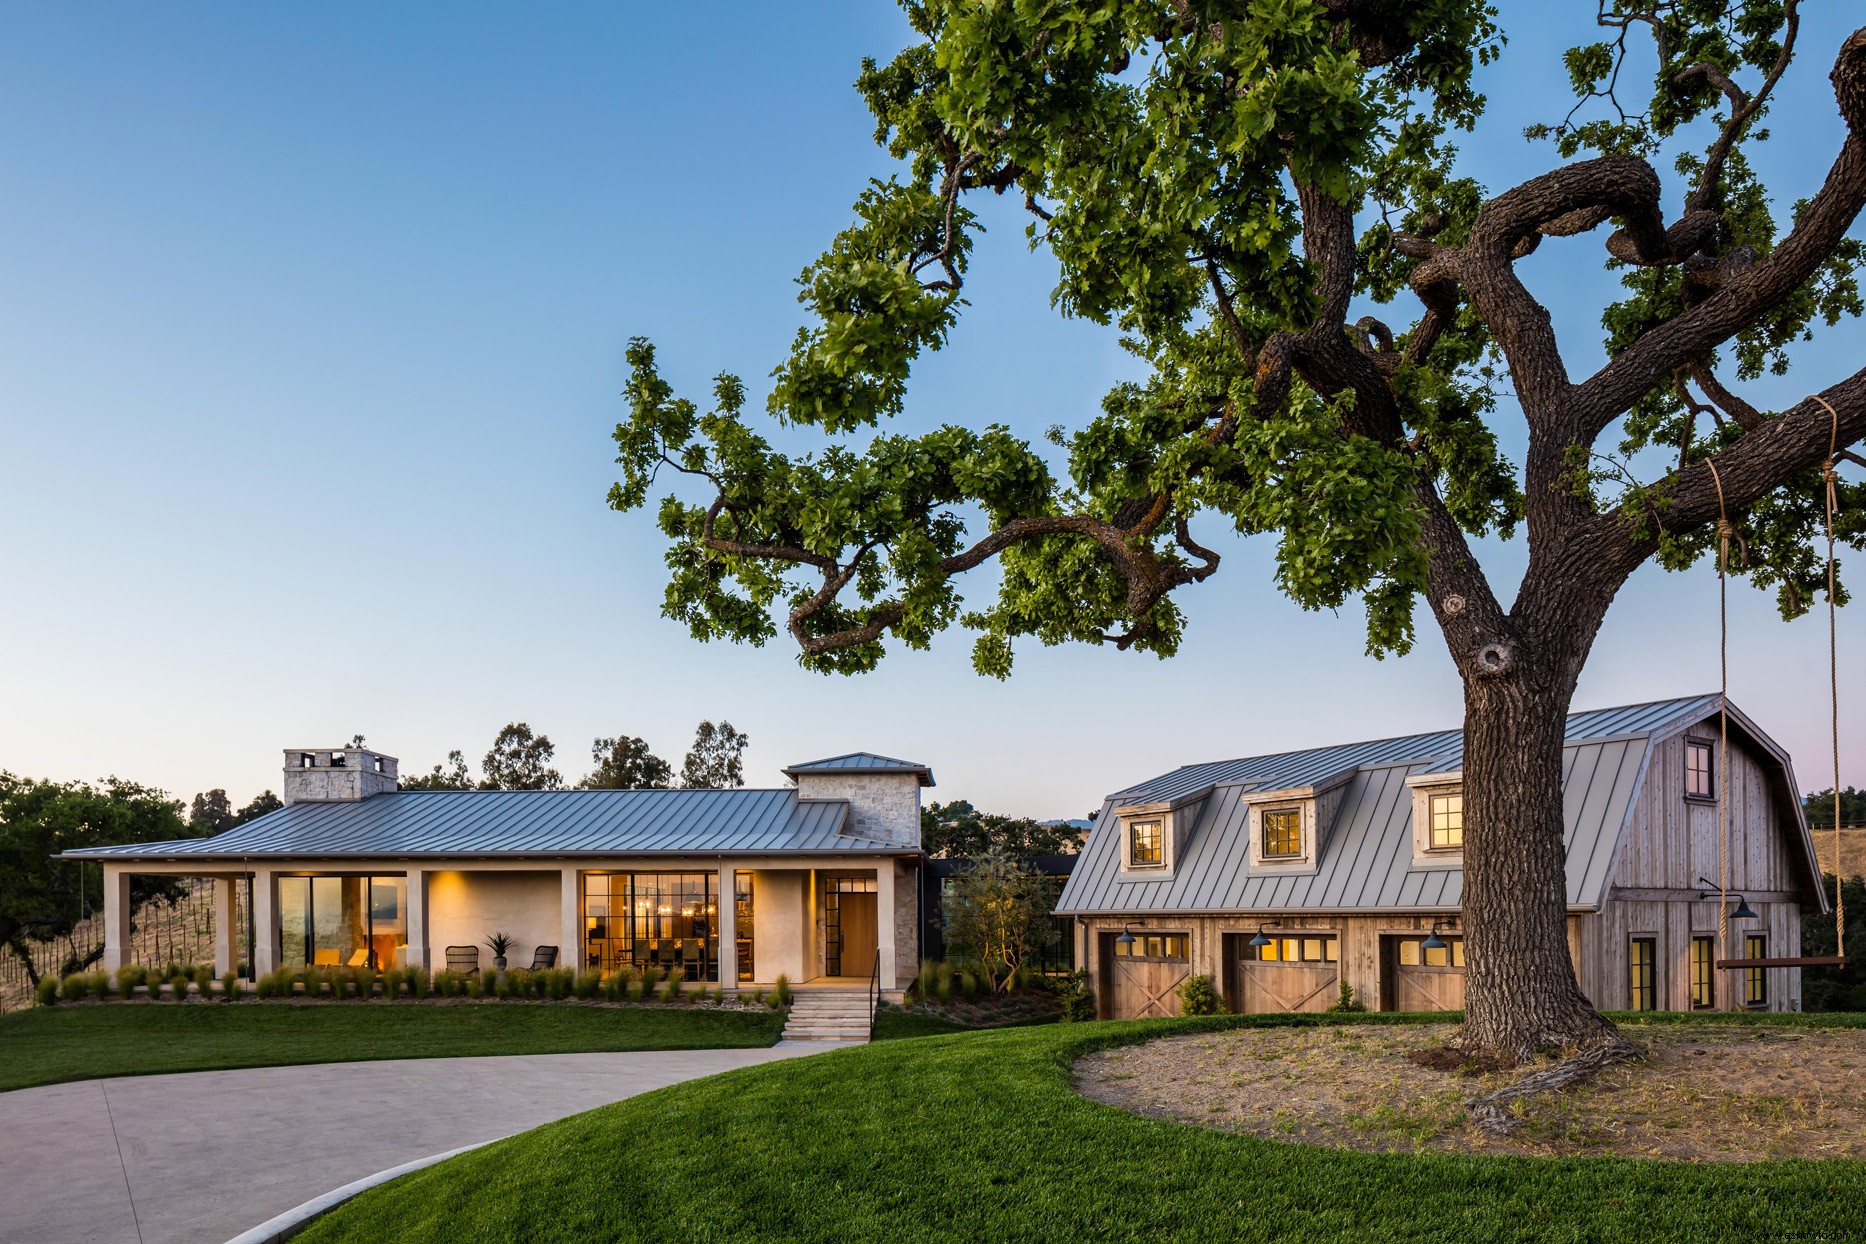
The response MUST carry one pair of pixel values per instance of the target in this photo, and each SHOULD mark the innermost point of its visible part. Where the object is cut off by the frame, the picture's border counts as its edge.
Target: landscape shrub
(758, 999)
(417, 978)
(1198, 996)
(780, 991)
(230, 986)
(644, 984)
(178, 988)
(507, 985)
(74, 987)
(615, 985)
(1078, 1002)
(943, 981)
(476, 986)
(48, 990)
(671, 991)
(488, 983)
(129, 976)
(588, 985)
(391, 984)
(968, 983)
(1344, 1000)
(443, 983)
(204, 980)
(559, 982)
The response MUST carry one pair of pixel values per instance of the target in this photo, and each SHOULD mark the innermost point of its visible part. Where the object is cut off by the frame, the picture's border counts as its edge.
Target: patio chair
(358, 959)
(463, 958)
(543, 957)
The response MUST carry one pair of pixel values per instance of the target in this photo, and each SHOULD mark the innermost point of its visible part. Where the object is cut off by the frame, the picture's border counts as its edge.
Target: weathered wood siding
(1670, 842)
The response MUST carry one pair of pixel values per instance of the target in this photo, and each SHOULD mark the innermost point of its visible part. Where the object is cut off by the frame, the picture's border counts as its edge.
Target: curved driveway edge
(204, 1156)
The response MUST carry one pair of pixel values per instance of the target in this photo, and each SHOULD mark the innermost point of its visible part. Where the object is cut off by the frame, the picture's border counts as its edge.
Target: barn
(1284, 876)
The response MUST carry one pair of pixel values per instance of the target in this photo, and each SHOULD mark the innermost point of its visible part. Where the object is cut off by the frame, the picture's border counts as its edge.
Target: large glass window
(1643, 980)
(742, 929)
(1448, 821)
(1144, 848)
(658, 920)
(1703, 972)
(1700, 773)
(1282, 832)
(1756, 980)
(342, 921)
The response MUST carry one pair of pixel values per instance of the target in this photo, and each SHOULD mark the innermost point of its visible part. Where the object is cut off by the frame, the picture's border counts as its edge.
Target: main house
(1282, 876)
(815, 881)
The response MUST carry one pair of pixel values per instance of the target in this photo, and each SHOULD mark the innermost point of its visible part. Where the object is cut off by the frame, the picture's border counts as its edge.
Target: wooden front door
(1143, 980)
(1290, 974)
(1419, 979)
(858, 935)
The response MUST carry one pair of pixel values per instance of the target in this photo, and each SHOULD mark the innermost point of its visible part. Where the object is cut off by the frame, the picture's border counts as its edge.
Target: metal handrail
(874, 996)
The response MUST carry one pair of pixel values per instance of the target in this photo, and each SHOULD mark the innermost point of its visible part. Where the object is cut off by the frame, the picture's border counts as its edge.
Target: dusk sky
(312, 323)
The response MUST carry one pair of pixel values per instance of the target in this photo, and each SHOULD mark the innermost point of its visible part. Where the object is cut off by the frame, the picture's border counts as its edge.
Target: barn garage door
(1290, 974)
(1419, 979)
(1143, 979)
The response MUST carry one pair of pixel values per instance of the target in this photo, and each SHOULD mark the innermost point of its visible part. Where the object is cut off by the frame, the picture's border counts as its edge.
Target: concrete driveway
(203, 1156)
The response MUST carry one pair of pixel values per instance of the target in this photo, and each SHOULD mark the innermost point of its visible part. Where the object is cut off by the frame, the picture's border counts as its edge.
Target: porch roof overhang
(521, 825)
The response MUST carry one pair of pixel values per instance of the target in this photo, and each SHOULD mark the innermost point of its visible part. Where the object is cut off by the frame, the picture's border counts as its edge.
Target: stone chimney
(336, 774)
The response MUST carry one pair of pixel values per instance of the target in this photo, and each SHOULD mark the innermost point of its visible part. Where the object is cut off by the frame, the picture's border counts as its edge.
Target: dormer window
(1146, 847)
(1447, 813)
(1282, 833)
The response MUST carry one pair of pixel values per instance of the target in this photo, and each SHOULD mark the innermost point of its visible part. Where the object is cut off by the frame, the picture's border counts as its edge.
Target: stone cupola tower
(336, 774)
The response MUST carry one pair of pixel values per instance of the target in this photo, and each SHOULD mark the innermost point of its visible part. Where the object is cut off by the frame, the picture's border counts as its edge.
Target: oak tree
(1238, 188)
(717, 759)
(520, 760)
(625, 763)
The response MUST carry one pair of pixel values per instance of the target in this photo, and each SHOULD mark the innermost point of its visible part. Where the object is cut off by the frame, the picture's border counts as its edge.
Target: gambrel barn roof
(1366, 860)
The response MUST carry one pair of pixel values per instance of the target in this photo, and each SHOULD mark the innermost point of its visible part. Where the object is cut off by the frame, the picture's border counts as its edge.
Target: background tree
(453, 777)
(1835, 989)
(210, 812)
(717, 759)
(265, 801)
(957, 830)
(998, 912)
(1236, 187)
(1819, 807)
(625, 763)
(43, 898)
(520, 760)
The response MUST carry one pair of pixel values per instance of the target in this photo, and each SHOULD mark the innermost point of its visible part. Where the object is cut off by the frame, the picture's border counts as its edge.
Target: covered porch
(737, 923)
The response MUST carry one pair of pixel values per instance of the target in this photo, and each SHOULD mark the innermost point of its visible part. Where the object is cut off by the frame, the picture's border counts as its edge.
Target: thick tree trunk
(1521, 994)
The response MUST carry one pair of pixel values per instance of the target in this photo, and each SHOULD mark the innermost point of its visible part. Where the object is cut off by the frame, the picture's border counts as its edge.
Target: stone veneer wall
(883, 806)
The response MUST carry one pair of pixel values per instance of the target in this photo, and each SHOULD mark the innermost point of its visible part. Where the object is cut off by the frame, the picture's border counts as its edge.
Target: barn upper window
(1447, 812)
(1145, 846)
(1700, 771)
(1282, 832)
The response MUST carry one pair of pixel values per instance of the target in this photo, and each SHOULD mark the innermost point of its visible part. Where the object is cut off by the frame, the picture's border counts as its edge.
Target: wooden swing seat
(1802, 961)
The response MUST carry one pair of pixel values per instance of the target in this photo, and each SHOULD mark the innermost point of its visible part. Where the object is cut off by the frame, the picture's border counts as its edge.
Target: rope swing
(1726, 533)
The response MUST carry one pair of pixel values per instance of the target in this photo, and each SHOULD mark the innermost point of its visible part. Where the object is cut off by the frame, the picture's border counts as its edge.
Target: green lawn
(893, 1024)
(979, 1137)
(45, 1046)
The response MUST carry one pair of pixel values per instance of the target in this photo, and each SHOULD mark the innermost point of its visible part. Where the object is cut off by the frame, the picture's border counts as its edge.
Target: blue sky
(311, 330)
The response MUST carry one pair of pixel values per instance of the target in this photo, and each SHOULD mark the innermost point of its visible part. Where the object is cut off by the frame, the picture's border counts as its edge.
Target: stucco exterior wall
(780, 922)
(464, 908)
(884, 807)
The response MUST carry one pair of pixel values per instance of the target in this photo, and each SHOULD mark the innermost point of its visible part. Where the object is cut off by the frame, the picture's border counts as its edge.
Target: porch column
(226, 927)
(265, 922)
(728, 927)
(885, 924)
(570, 943)
(116, 916)
(415, 954)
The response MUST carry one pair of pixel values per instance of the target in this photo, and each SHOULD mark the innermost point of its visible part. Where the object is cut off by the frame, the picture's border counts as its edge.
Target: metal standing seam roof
(1365, 862)
(530, 823)
(862, 762)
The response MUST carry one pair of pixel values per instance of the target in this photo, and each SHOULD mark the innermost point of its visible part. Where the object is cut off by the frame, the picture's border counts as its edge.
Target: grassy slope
(82, 1042)
(979, 1137)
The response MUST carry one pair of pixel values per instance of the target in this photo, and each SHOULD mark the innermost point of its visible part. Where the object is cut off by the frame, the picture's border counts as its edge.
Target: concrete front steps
(829, 1015)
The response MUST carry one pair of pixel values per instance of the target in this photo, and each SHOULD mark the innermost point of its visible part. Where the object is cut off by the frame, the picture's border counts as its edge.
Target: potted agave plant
(500, 943)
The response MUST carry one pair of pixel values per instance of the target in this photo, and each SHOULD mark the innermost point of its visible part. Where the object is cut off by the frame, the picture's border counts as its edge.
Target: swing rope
(1830, 476)
(1726, 530)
